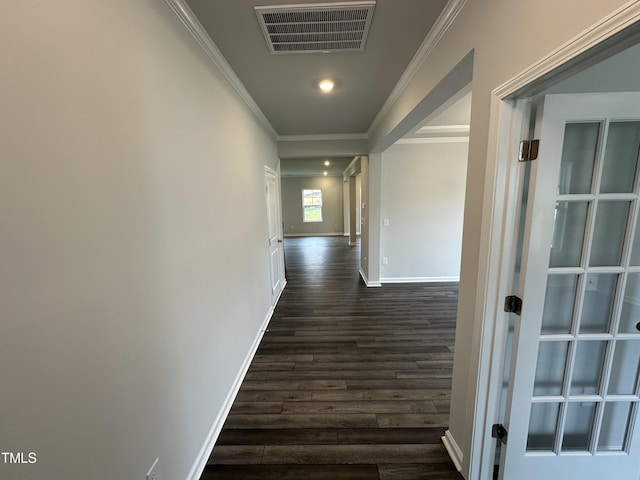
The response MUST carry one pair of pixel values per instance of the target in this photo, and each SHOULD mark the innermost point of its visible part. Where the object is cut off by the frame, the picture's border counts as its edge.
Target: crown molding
(442, 24)
(321, 138)
(606, 28)
(188, 18)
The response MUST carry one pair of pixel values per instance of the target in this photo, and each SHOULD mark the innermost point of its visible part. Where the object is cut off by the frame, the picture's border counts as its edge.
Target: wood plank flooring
(349, 382)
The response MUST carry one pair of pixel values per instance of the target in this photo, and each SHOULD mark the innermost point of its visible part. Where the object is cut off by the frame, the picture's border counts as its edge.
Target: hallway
(349, 382)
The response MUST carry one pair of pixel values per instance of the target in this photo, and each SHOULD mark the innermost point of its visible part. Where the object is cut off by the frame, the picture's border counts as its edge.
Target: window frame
(316, 201)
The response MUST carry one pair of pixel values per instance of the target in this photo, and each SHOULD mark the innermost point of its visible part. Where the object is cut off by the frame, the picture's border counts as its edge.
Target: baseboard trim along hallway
(349, 382)
(453, 449)
(200, 462)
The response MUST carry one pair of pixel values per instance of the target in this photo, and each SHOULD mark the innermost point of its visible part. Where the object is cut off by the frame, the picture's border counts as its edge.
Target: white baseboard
(334, 234)
(453, 449)
(367, 282)
(205, 451)
(419, 279)
(273, 307)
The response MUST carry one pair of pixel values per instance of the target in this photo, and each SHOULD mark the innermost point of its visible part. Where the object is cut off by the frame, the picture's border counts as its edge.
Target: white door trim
(503, 193)
(507, 119)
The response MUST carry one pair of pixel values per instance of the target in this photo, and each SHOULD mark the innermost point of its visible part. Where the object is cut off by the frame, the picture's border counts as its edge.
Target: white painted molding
(188, 18)
(323, 137)
(420, 279)
(508, 123)
(453, 449)
(420, 140)
(427, 129)
(284, 284)
(609, 26)
(353, 168)
(442, 24)
(334, 234)
(367, 282)
(205, 451)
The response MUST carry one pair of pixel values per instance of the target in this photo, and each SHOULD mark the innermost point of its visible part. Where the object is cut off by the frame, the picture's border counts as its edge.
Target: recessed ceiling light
(327, 163)
(326, 85)
(324, 173)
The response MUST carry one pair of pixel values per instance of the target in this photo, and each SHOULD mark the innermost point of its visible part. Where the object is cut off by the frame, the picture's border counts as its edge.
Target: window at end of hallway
(311, 205)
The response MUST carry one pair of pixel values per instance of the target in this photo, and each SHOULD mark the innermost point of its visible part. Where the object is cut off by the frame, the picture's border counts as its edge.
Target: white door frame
(508, 119)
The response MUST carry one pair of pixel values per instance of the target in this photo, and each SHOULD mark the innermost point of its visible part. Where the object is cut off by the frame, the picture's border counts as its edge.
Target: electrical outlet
(154, 472)
(385, 261)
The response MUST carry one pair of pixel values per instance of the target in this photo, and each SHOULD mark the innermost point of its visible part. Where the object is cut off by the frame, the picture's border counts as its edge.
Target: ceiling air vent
(316, 27)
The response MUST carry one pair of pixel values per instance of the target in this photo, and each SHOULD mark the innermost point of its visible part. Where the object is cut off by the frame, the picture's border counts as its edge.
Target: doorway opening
(423, 182)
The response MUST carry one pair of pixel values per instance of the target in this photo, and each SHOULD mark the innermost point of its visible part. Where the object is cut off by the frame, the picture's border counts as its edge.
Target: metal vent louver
(316, 27)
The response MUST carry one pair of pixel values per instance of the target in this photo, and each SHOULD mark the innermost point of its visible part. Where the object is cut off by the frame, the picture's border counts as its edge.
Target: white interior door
(276, 249)
(572, 409)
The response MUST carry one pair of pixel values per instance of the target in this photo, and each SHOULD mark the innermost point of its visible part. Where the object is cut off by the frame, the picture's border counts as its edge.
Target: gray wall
(124, 319)
(423, 200)
(332, 208)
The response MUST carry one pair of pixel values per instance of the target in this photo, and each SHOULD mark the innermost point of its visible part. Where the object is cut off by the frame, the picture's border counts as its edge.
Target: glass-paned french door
(575, 391)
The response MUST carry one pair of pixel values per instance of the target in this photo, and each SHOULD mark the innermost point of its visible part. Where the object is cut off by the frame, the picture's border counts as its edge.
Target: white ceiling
(285, 86)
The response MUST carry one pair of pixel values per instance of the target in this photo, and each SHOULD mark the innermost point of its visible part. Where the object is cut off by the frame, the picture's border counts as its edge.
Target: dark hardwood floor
(348, 383)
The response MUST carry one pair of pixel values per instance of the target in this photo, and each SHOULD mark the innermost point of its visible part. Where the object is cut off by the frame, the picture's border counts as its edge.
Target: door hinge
(513, 304)
(528, 150)
(498, 431)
